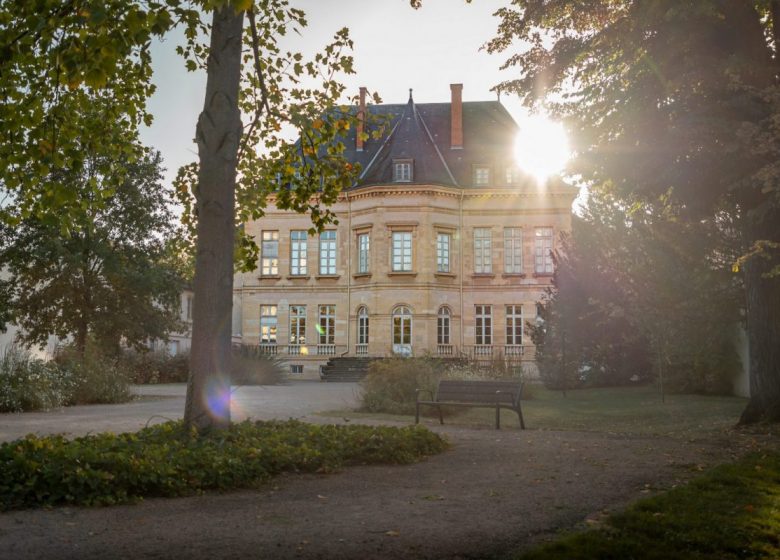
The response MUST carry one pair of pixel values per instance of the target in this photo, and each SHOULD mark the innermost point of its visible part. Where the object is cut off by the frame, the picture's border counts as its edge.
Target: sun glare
(542, 147)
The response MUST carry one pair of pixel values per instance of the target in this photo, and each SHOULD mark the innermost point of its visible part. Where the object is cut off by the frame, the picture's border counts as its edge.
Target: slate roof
(421, 132)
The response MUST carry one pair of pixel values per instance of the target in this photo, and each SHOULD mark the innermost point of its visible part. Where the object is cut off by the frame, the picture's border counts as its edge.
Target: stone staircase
(348, 369)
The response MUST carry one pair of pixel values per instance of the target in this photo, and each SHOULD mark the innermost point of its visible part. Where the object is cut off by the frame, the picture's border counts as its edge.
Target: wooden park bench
(484, 394)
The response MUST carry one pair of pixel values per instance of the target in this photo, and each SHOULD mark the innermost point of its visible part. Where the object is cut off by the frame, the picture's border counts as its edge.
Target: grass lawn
(731, 512)
(631, 410)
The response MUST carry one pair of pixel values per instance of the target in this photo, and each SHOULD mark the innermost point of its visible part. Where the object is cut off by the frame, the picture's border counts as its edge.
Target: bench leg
(498, 417)
(520, 416)
(441, 416)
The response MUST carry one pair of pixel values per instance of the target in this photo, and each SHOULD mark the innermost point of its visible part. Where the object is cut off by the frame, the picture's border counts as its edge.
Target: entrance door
(402, 331)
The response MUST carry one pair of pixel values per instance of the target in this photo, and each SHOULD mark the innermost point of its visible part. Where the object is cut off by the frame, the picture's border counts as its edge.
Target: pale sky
(396, 48)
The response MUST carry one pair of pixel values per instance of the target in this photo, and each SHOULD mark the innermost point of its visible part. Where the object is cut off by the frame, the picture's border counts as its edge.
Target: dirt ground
(492, 493)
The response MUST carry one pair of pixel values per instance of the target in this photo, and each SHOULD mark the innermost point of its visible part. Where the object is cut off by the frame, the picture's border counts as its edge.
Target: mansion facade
(443, 247)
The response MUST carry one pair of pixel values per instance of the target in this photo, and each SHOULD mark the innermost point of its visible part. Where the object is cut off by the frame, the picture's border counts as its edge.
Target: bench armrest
(418, 391)
(515, 396)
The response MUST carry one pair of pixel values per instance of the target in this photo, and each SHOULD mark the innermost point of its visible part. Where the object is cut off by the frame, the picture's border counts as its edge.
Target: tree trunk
(218, 135)
(81, 339)
(763, 328)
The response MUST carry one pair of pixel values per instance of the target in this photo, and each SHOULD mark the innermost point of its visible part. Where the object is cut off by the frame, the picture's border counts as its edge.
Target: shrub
(248, 367)
(27, 383)
(156, 367)
(166, 460)
(391, 384)
(251, 367)
(94, 377)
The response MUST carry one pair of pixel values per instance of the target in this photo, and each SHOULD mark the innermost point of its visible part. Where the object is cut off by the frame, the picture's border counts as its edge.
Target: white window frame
(363, 325)
(328, 248)
(403, 171)
(483, 325)
(298, 325)
(299, 249)
(514, 325)
(443, 324)
(269, 253)
(443, 244)
(513, 250)
(543, 248)
(364, 252)
(481, 175)
(327, 323)
(401, 251)
(296, 369)
(269, 322)
(483, 251)
(402, 326)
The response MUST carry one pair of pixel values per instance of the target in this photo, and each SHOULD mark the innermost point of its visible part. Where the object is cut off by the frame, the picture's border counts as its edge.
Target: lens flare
(218, 398)
(319, 329)
(542, 147)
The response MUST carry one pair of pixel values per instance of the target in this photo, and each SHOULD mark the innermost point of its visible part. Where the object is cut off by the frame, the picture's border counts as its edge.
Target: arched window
(362, 325)
(443, 325)
(402, 329)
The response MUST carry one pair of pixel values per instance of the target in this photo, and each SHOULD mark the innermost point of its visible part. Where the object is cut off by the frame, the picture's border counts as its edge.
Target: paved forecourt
(159, 403)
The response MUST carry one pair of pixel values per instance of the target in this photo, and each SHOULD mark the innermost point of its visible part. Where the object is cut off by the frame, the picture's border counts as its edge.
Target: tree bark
(763, 327)
(218, 135)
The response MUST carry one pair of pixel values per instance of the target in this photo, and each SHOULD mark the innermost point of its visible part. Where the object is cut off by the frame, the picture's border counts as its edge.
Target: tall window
(443, 242)
(328, 252)
(481, 175)
(402, 171)
(484, 324)
(402, 325)
(513, 250)
(543, 246)
(512, 175)
(483, 263)
(327, 328)
(402, 251)
(443, 326)
(188, 309)
(269, 253)
(268, 321)
(363, 241)
(299, 253)
(297, 324)
(362, 325)
(514, 325)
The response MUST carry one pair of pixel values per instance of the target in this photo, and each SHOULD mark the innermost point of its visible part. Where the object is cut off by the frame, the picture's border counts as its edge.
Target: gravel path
(493, 492)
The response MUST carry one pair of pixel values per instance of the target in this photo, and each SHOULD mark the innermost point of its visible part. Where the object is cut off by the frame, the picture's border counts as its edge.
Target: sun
(542, 147)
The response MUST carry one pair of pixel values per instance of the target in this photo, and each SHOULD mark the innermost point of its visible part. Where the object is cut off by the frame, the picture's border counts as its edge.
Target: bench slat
(478, 391)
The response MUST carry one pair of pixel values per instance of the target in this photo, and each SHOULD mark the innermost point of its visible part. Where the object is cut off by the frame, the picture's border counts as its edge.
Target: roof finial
(410, 95)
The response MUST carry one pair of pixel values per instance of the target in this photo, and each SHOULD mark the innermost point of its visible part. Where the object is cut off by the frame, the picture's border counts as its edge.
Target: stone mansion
(443, 247)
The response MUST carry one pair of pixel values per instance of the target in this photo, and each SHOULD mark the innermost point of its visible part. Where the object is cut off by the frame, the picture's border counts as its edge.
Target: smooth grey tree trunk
(218, 136)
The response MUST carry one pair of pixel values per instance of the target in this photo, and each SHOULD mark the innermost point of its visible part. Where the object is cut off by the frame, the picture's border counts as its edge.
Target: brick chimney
(456, 117)
(361, 119)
